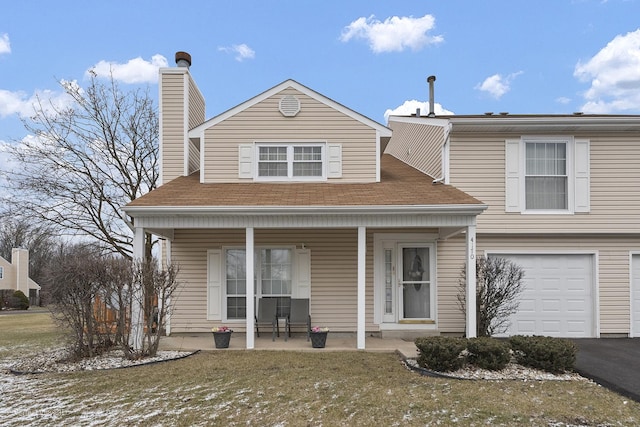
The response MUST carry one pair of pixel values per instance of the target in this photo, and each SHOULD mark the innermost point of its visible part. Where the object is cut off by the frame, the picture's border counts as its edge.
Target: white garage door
(635, 295)
(558, 296)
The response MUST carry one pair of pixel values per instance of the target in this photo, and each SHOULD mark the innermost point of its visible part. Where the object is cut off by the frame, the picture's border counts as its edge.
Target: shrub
(19, 301)
(488, 353)
(441, 353)
(499, 283)
(555, 355)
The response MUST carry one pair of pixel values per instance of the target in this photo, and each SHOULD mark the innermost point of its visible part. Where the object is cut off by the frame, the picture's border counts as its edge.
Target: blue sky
(544, 56)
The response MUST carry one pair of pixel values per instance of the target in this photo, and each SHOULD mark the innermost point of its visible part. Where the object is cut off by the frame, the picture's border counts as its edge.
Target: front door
(405, 278)
(414, 282)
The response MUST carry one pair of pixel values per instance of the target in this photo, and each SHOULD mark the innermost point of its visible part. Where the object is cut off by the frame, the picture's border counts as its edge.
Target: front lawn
(297, 389)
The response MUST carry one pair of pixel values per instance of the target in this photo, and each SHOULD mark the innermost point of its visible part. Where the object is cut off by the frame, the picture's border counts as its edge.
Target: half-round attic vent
(289, 105)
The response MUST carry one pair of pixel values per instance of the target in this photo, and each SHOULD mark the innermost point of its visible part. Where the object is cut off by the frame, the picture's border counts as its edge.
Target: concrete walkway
(335, 342)
(612, 362)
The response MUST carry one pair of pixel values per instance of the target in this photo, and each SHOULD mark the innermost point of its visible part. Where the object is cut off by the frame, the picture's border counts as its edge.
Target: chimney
(432, 112)
(183, 59)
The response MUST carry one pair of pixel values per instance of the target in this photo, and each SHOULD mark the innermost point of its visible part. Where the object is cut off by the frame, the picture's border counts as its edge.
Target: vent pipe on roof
(183, 59)
(432, 112)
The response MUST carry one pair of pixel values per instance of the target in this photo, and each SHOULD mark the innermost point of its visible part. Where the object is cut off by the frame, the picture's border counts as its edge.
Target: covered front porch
(359, 306)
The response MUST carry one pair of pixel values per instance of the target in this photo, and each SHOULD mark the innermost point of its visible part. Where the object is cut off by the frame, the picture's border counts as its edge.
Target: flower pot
(318, 339)
(222, 339)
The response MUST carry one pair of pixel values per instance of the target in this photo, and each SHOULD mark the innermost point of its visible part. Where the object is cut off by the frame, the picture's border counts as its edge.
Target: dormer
(290, 133)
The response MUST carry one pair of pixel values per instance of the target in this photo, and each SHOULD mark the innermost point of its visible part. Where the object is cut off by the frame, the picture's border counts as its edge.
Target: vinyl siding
(172, 126)
(196, 116)
(612, 273)
(333, 274)
(315, 122)
(418, 145)
(477, 167)
(196, 104)
(194, 157)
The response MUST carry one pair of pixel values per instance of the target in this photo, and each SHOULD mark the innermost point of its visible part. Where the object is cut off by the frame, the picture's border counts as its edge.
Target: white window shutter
(582, 179)
(513, 177)
(245, 160)
(214, 284)
(302, 284)
(334, 161)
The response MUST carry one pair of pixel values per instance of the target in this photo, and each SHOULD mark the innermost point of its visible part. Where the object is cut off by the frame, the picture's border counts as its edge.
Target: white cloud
(134, 71)
(614, 74)
(497, 85)
(410, 107)
(242, 51)
(21, 104)
(563, 100)
(394, 34)
(5, 45)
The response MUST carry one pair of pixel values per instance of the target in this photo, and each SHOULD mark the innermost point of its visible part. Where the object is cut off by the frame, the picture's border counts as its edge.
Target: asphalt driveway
(611, 362)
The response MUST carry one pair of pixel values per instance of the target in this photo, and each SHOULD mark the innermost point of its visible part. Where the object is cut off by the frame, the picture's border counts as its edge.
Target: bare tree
(499, 282)
(78, 272)
(83, 163)
(151, 289)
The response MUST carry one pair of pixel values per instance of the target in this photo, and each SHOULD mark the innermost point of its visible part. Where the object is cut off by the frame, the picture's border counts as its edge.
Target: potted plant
(221, 336)
(319, 336)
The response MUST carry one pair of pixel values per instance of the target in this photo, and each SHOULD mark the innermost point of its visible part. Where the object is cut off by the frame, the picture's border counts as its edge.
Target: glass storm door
(414, 282)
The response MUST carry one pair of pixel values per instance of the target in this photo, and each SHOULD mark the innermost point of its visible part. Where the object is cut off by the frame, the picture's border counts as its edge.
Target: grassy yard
(290, 389)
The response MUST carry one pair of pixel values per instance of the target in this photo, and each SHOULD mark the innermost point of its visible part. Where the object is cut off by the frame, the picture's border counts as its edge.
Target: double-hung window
(273, 279)
(291, 161)
(546, 179)
(547, 175)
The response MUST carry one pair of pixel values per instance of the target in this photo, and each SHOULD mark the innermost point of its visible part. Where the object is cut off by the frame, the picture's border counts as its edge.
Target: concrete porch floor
(298, 342)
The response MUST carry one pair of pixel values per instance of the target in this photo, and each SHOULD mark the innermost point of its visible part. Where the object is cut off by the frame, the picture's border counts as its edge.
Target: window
(546, 181)
(1, 272)
(291, 161)
(547, 175)
(273, 279)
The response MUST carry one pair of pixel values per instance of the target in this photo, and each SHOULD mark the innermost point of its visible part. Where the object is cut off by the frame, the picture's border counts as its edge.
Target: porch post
(137, 310)
(362, 255)
(471, 282)
(251, 310)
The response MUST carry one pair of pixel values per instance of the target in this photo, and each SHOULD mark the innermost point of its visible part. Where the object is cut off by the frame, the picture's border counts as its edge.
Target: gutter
(474, 209)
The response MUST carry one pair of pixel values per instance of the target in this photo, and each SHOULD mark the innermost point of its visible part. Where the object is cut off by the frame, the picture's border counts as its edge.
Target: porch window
(273, 279)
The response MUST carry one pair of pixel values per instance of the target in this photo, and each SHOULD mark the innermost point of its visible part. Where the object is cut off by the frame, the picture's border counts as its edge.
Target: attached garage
(635, 295)
(559, 296)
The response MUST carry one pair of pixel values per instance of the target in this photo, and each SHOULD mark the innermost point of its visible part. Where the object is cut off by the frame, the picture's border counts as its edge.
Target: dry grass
(300, 389)
(25, 332)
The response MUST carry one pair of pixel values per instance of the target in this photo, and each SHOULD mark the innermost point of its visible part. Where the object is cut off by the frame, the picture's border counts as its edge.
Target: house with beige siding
(563, 197)
(374, 224)
(14, 275)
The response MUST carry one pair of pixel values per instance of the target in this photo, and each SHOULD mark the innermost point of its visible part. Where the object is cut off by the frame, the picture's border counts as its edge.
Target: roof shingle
(400, 185)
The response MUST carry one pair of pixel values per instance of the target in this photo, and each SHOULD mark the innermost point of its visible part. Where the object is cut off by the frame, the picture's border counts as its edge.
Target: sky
(521, 57)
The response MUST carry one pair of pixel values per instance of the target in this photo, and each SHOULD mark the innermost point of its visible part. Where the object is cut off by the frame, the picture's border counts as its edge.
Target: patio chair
(298, 316)
(267, 316)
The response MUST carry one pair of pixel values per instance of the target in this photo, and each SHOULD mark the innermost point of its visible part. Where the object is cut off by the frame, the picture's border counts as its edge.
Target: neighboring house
(374, 224)
(14, 275)
(564, 203)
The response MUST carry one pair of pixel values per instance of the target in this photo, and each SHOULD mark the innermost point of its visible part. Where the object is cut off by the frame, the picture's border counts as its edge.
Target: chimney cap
(183, 59)
(431, 79)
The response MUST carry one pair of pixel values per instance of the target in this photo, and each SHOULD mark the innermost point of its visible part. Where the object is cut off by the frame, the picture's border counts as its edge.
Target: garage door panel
(550, 327)
(558, 296)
